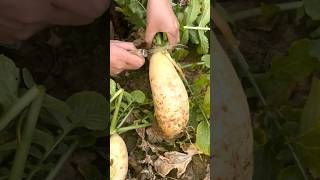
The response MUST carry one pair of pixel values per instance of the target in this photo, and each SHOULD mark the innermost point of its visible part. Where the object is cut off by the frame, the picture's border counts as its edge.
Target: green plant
(38, 129)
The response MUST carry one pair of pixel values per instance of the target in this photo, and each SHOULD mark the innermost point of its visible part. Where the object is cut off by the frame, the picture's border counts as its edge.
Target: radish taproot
(170, 97)
(118, 158)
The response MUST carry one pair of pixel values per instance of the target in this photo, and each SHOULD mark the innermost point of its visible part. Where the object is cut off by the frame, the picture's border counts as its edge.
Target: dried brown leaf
(172, 160)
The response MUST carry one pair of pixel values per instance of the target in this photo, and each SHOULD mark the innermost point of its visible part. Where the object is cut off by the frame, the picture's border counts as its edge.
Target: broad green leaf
(191, 14)
(138, 96)
(201, 83)
(194, 36)
(9, 82)
(204, 19)
(206, 59)
(309, 150)
(206, 102)
(297, 65)
(203, 137)
(315, 48)
(203, 48)
(309, 141)
(180, 54)
(285, 155)
(27, 78)
(315, 33)
(58, 109)
(311, 112)
(312, 8)
(42, 138)
(89, 109)
(290, 173)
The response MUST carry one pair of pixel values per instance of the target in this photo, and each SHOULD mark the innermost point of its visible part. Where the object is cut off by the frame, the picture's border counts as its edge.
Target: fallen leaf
(172, 160)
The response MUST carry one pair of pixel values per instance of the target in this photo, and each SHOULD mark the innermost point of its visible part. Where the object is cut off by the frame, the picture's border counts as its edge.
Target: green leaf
(290, 173)
(311, 112)
(315, 48)
(203, 137)
(203, 21)
(297, 65)
(138, 96)
(9, 82)
(206, 102)
(206, 59)
(57, 109)
(89, 109)
(309, 141)
(180, 54)
(27, 78)
(42, 138)
(203, 48)
(191, 14)
(312, 8)
(194, 36)
(315, 33)
(309, 146)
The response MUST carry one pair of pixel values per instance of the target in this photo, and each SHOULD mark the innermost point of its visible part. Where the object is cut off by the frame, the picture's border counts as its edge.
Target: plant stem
(257, 11)
(197, 28)
(16, 109)
(115, 115)
(61, 161)
(116, 95)
(60, 138)
(124, 119)
(192, 64)
(128, 128)
(23, 148)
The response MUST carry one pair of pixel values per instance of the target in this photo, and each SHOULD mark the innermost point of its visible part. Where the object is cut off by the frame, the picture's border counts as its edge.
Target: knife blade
(146, 52)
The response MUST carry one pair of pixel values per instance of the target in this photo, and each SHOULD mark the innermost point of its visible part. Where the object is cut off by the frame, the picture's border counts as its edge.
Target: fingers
(174, 38)
(149, 35)
(122, 59)
(90, 9)
(125, 45)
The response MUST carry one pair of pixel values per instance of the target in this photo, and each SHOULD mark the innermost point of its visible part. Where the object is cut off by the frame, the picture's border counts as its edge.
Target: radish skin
(118, 158)
(171, 103)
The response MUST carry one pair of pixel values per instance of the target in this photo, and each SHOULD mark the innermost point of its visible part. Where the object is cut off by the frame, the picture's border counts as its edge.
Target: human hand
(121, 59)
(161, 18)
(19, 20)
